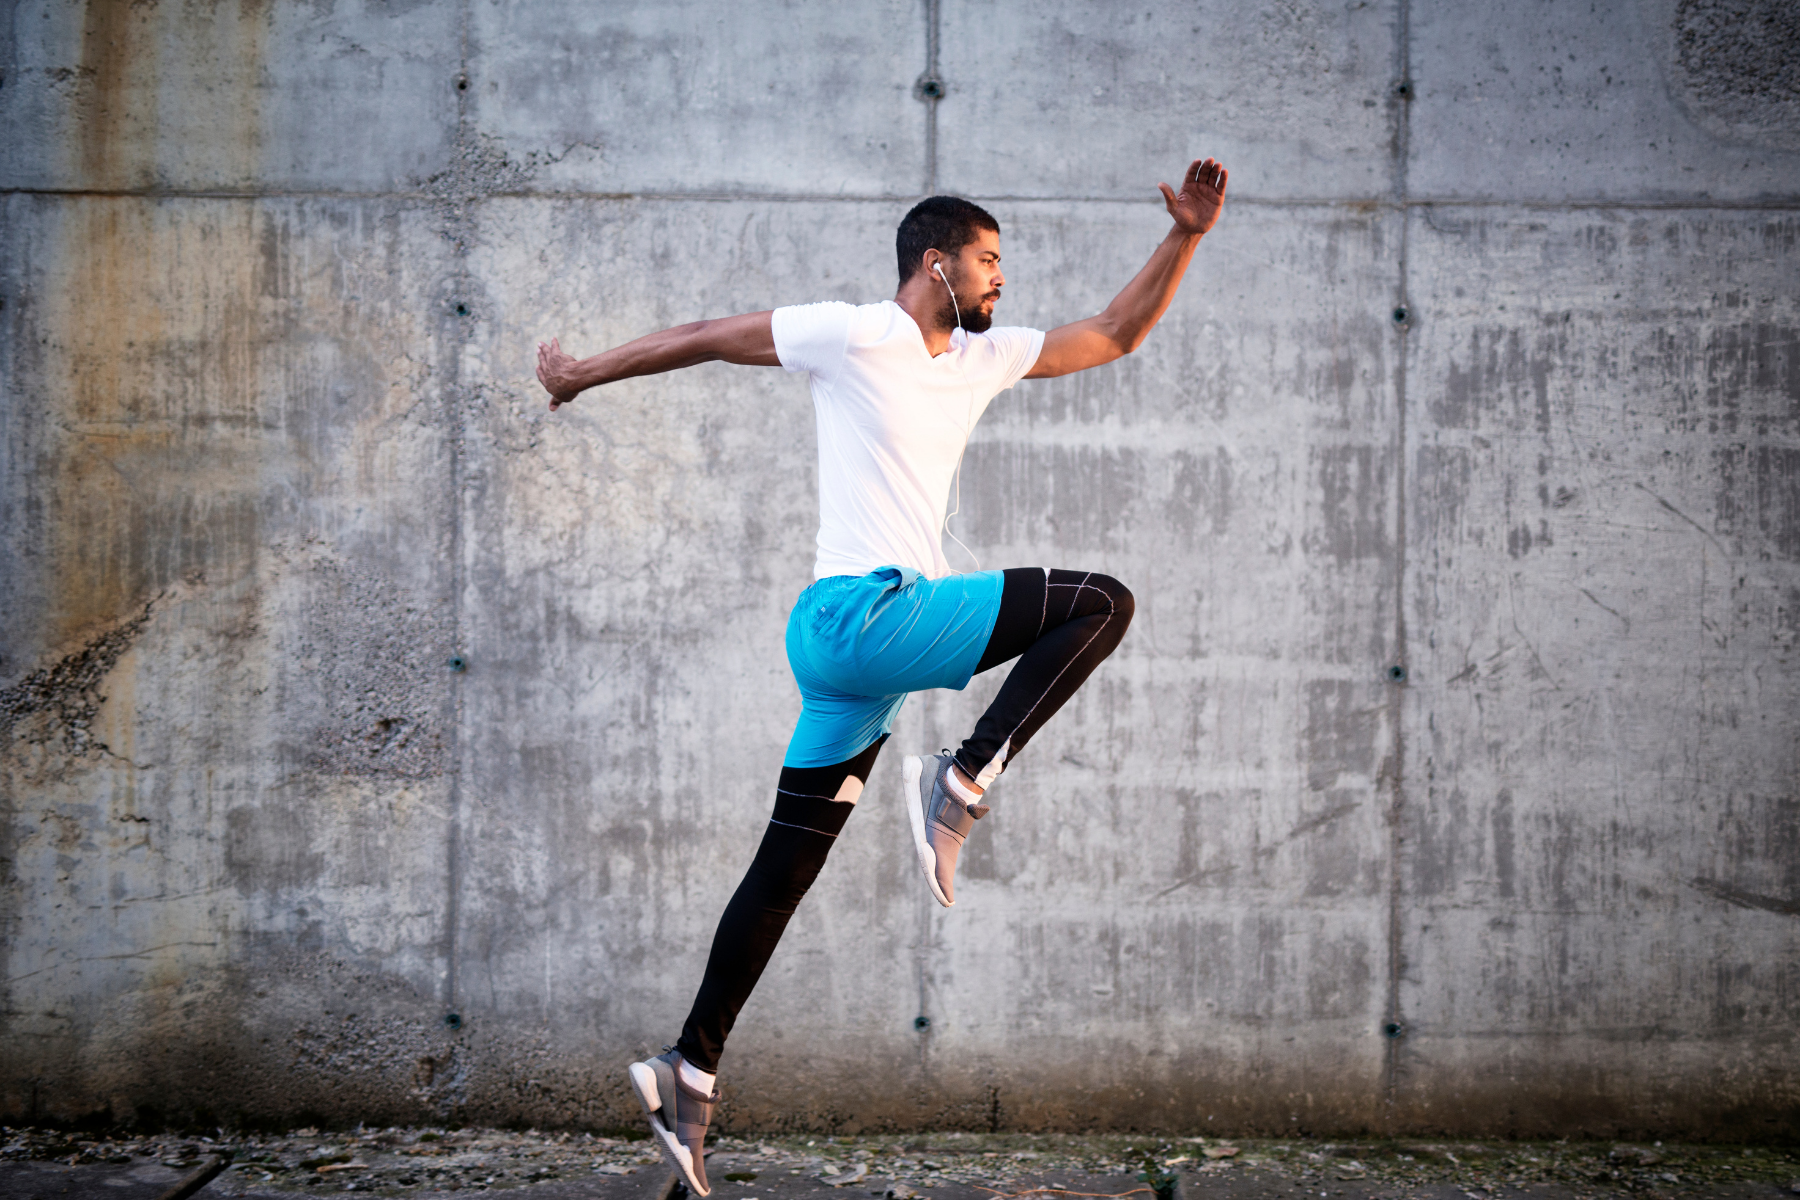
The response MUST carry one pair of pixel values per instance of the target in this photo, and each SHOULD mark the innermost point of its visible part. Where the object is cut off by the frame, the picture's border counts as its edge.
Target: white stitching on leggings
(1111, 612)
(809, 796)
(808, 828)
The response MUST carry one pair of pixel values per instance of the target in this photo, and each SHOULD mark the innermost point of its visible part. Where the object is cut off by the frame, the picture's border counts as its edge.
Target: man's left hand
(555, 370)
(1196, 206)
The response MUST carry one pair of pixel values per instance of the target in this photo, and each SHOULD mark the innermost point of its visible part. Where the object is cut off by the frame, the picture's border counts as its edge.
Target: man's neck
(923, 304)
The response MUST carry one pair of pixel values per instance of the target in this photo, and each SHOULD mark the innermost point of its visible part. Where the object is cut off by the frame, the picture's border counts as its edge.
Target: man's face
(975, 275)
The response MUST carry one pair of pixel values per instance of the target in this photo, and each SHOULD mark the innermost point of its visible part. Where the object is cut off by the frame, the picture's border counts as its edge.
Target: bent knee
(1123, 602)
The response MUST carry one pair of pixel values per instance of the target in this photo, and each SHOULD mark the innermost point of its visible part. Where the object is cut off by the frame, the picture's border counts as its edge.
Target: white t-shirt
(892, 423)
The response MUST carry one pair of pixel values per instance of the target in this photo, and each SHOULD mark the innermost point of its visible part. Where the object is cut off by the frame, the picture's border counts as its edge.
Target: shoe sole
(678, 1156)
(911, 769)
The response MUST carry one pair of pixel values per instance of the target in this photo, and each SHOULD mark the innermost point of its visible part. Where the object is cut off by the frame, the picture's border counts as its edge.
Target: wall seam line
(1395, 1025)
(453, 414)
(932, 17)
(1775, 205)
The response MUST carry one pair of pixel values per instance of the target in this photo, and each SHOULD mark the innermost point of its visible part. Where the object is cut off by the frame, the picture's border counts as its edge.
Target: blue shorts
(858, 644)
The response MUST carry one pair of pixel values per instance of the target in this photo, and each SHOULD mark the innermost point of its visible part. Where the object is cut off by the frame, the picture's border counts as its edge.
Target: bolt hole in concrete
(1401, 315)
(1397, 673)
(462, 310)
(1393, 1029)
(462, 83)
(457, 663)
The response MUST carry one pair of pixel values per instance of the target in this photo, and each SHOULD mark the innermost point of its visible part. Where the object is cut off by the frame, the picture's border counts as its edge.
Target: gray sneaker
(940, 822)
(678, 1115)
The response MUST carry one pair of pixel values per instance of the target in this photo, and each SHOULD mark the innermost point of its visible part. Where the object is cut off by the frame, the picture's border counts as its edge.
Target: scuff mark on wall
(1744, 899)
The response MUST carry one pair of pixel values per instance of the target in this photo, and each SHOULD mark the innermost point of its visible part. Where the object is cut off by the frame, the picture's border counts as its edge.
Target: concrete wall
(1447, 780)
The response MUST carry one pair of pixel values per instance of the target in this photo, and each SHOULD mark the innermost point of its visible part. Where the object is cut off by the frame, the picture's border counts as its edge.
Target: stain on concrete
(1338, 979)
(1738, 65)
(1199, 504)
(117, 114)
(1439, 857)
(1501, 818)
(1353, 495)
(1342, 723)
(1502, 373)
(1731, 376)
(1065, 496)
(1758, 499)
(1441, 477)
(269, 849)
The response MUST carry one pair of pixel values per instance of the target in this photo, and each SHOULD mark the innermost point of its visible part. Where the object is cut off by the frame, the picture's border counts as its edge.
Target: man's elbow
(1135, 334)
(1122, 336)
(704, 341)
(1126, 343)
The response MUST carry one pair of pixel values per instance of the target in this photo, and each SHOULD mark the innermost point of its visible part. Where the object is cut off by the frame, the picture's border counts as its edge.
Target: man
(896, 388)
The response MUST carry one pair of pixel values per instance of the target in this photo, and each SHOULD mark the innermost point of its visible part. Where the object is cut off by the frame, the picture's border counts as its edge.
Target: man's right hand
(1196, 206)
(556, 371)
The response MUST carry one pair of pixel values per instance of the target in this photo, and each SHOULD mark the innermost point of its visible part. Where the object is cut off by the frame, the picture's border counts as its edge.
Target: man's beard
(975, 321)
(968, 317)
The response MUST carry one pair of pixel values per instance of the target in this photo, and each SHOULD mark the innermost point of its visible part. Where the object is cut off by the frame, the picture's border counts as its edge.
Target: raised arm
(1127, 321)
(746, 340)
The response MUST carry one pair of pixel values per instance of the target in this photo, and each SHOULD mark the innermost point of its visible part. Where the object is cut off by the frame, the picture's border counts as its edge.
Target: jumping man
(897, 388)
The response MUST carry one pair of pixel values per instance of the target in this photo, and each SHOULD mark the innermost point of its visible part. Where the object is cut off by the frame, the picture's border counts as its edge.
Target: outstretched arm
(1127, 321)
(746, 340)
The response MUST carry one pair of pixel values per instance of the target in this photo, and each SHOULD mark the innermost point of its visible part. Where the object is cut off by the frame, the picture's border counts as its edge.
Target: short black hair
(942, 223)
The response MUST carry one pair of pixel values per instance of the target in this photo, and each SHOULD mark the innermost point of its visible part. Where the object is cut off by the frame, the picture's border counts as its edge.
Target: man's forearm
(748, 340)
(652, 354)
(1137, 309)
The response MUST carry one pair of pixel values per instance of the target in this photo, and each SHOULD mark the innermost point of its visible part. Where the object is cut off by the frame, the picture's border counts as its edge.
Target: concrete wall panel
(228, 715)
(1667, 100)
(1072, 99)
(232, 97)
(772, 97)
(1603, 690)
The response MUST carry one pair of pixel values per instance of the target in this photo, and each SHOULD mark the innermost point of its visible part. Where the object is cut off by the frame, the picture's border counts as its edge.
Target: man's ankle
(963, 780)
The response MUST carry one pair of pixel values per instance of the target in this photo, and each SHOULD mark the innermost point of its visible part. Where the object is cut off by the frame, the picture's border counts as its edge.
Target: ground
(52, 1165)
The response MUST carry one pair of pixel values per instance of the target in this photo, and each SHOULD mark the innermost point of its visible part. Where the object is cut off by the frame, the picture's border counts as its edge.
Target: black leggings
(1058, 624)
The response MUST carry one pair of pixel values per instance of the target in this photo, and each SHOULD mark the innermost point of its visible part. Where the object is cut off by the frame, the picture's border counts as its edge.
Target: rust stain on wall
(135, 493)
(115, 139)
(130, 509)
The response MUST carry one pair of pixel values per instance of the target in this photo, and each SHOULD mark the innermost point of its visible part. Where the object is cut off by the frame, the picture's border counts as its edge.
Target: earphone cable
(968, 421)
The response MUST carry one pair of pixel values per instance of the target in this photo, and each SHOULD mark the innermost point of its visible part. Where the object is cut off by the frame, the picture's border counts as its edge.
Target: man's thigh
(929, 634)
(1039, 599)
(834, 728)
